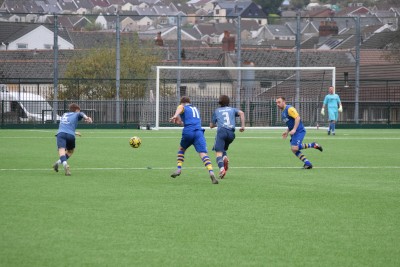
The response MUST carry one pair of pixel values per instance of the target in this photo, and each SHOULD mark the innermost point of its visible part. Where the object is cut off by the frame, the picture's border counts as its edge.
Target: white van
(25, 107)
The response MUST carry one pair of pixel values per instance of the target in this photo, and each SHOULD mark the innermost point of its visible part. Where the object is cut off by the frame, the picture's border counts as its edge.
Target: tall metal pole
(357, 84)
(178, 78)
(117, 70)
(55, 69)
(298, 37)
(239, 61)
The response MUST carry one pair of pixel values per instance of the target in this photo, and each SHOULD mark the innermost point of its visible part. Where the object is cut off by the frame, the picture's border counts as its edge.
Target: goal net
(252, 89)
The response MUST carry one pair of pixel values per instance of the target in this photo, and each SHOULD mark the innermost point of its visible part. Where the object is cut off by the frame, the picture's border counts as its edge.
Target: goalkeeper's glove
(340, 109)
(323, 112)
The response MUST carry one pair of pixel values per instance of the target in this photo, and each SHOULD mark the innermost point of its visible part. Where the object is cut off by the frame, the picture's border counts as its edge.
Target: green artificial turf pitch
(121, 208)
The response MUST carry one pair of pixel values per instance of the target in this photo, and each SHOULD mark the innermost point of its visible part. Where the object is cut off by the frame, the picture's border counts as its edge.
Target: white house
(38, 38)
(101, 20)
(136, 23)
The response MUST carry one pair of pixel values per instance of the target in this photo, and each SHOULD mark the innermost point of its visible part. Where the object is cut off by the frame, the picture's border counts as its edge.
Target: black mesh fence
(105, 58)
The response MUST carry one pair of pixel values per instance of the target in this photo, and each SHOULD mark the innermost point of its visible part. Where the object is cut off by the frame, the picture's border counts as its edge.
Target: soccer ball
(135, 142)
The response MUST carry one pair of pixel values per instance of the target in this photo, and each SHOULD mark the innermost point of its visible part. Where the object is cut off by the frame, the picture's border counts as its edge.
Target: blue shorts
(297, 138)
(66, 141)
(195, 138)
(333, 114)
(223, 139)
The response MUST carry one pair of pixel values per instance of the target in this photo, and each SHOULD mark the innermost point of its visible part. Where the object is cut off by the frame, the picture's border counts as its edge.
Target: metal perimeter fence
(360, 46)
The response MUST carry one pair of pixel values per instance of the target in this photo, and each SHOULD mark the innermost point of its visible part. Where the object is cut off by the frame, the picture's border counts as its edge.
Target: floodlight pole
(298, 36)
(118, 69)
(357, 83)
(239, 62)
(178, 78)
(55, 69)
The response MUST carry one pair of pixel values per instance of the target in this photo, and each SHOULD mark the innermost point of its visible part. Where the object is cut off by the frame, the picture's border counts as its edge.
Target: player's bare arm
(88, 119)
(176, 117)
(285, 134)
(242, 121)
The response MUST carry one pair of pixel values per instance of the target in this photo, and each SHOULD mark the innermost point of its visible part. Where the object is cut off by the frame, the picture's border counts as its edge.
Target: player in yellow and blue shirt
(192, 134)
(224, 118)
(296, 130)
(332, 101)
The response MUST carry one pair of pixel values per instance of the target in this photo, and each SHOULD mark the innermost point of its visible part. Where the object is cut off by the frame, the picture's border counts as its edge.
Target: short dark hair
(223, 100)
(185, 99)
(74, 107)
(281, 97)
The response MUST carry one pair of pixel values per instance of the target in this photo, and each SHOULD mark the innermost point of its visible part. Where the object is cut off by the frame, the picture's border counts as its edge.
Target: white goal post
(294, 80)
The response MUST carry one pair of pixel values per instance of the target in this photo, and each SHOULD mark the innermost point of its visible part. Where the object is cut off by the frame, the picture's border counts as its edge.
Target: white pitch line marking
(172, 168)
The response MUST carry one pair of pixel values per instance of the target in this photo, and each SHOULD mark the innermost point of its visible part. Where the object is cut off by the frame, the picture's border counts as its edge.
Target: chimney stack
(159, 41)
(228, 42)
(327, 28)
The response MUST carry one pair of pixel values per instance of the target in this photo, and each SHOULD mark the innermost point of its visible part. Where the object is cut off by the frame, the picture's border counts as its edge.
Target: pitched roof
(354, 10)
(28, 64)
(11, 31)
(381, 40)
(279, 30)
(215, 28)
(100, 3)
(370, 57)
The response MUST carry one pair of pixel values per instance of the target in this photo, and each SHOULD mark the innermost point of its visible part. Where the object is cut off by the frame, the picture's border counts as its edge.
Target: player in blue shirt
(66, 135)
(192, 134)
(225, 117)
(332, 101)
(296, 130)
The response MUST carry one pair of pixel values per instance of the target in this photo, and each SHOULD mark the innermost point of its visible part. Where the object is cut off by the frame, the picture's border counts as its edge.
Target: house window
(217, 12)
(22, 46)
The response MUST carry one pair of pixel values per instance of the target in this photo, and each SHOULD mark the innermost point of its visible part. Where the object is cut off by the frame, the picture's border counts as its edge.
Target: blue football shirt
(289, 114)
(191, 118)
(69, 122)
(224, 117)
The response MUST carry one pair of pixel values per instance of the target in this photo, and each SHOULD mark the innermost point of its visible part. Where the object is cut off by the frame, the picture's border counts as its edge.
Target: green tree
(299, 4)
(92, 27)
(91, 75)
(270, 6)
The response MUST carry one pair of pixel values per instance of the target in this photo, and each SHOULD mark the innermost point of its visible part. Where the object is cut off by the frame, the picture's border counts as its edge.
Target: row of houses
(29, 11)
(320, 29)
(318, 34)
